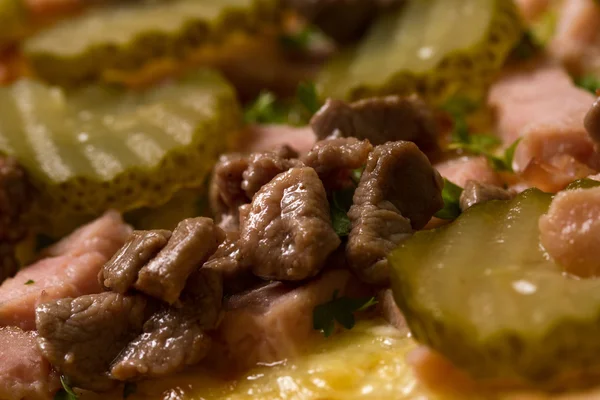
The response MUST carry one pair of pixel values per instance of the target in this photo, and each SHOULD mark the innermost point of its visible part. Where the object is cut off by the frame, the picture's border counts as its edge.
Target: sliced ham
(24, 373)
(260, 138)
(463, 169)
(541, 105)
(577, 39)
(70, 270)
(273, 323)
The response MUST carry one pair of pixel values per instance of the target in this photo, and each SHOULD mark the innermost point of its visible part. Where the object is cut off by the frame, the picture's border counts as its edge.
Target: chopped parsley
(66, 393)
(589, 82)
(302, 39)
(341, 201)
(265, 109)
(30, 282)
(308, 98)
(340, 309)
(451, 195)
(129, 389)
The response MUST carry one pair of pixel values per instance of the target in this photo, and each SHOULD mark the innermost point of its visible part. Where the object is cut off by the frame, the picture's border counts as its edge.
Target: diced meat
(24, 372)
(464, 169)
(380, 120)
(476, 193)
(121, 271)
(227, 260)
(532, 9)
(542, 106)
(71, 271)
(263, 167)
(592, 122)
(577, 38)
(334, 160)
(226, 193)
(175, 338)
(399, 191)
(193, 241)
(81, 336)
(288, 234)
(260, 138)
(274, 322)
(555, 174)
(570, 231)
(389, 309)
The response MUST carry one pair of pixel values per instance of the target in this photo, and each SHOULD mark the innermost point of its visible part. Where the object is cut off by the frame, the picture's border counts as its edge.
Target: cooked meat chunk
(70, 270)
(288, 234)
(175, 338)
(334, 159)
(380, 120)
(262, 167)
(226, 193)
(570, 231)
(592, 122)
(389, 309)
(475, 193)
(227, 261)
(193, 241)
(81, 336)
(260, 138)
(274, 321)
(24, 372)
(399, 191)
(170, 342)
(464, 169)
(121, 271)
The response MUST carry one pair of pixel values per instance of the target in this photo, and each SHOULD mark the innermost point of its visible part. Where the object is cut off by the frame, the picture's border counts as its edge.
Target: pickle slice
(114, 39)
(483, 292)
(99, 148)
(433, 47)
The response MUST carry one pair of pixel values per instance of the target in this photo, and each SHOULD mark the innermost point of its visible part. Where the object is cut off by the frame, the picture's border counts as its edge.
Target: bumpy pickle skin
(483, 292)
(115, 41)
(436, 48)
(99, 148)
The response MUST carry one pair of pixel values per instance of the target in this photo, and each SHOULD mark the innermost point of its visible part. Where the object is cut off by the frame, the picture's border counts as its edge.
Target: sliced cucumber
(433, 47)
(99, 148)
(126, 37)
(483, 292)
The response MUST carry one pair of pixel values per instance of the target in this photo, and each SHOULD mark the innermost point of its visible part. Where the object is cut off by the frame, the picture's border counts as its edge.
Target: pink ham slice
(577, 39)
(71, 270)
(542, 106)
(24, 373)
(274, 323)
(463, 169)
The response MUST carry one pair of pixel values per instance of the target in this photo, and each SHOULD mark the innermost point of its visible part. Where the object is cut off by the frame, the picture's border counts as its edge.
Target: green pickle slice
(99, 148)
(126, 37)
(483, 292)
(433, 47)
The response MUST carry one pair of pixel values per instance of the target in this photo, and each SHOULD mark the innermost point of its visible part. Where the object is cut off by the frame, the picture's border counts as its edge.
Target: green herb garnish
(589, 82)
(66, 393)
(341, 201)
(451, 195)
(266, 110)
(340, 309)
(308, 98)
(30, 282)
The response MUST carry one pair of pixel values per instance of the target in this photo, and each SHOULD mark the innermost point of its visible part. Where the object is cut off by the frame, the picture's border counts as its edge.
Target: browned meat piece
(121, 271)
(259, 138)
(461, 170)
(476, 193)
(175, 338)
(226, 193)
(288, 234)
(263, 167)
(592, 122)
(24, 372)
(193, 241)
(81, 336)
(274, 322)
(15, 199)
(388, 308)
(399, 191)
(334, 159)
(380, 120)
(227, 261)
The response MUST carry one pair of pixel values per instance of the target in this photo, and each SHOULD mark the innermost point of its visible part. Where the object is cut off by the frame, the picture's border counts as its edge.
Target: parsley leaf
(504, 162)
(589, 83)
(584, 183)
(341, 201)
(301, 39)
(30, 282)
(340, 309)
(265, 109)
(66, 393)
(129, 389)
(451, 195)
(308, 97)
(356, 174)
